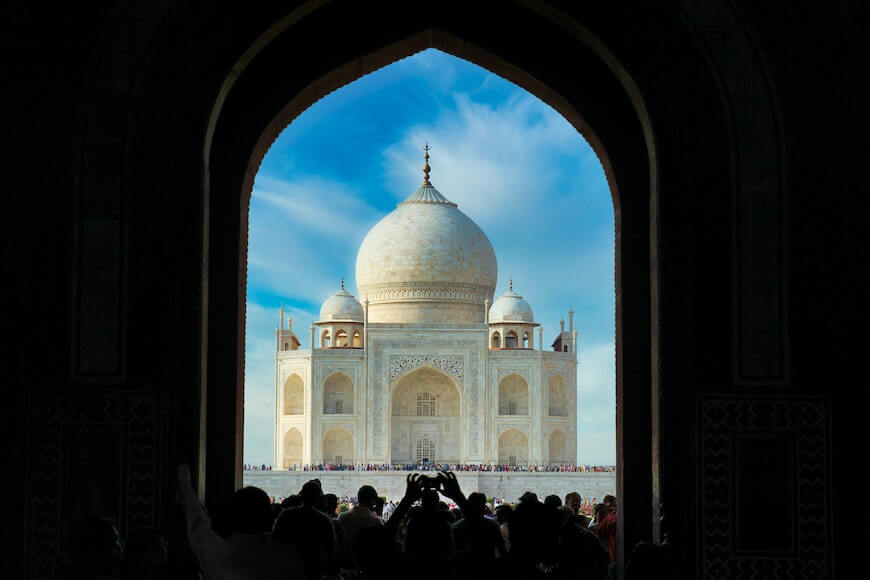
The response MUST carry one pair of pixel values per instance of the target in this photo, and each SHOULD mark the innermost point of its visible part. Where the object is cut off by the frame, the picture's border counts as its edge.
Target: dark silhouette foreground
(420, 539)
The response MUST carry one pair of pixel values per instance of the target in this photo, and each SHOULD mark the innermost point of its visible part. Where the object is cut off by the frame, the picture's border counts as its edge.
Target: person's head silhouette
(250, 512)
(367, 497)
(312, 494)
(429, 500)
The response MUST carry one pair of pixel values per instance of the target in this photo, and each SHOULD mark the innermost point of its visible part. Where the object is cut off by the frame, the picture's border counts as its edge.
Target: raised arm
(450, 488)
(199, 532)
(413, 491)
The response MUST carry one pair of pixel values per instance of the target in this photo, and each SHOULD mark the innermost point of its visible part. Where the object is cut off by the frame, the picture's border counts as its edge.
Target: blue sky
(511, 163)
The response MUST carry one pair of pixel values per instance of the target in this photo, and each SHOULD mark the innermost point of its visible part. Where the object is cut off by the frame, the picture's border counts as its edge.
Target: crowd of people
(441, 467)
(252, 467)
(308, 535)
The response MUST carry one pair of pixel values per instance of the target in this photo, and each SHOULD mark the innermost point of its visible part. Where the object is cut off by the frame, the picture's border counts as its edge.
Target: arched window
(286, 346)
(324, 339)
(340, 339)
(510, 340)
(496, 340)
(425, 450)
(425, 405)
(357, 339)
(525, 340)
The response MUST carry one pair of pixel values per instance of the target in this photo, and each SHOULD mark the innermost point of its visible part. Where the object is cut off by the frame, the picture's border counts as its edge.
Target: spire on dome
(426, 168)
(511, 288)
(426, 193)
(342, 282)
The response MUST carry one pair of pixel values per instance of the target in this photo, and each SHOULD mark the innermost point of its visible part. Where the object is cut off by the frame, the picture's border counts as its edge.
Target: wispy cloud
(526, 177)
(304, 235)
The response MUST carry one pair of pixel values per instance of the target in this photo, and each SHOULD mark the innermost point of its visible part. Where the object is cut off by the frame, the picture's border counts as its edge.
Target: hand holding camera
(433, 483)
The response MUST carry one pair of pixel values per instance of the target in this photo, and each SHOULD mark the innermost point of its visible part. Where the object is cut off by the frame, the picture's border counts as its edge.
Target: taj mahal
(425, 366)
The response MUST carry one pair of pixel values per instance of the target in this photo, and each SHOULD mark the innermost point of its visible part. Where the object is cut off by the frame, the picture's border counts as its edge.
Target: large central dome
(426, 262)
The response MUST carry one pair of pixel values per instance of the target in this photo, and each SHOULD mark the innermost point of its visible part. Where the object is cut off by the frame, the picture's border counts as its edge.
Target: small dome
(510, 307)
(341, 306)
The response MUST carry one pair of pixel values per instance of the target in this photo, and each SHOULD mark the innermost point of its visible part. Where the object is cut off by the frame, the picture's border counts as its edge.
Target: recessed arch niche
(338, 446)
(513, 395)
(292, 443)
(415, 397)
(338, 395)
(513, 448)
(294, 395)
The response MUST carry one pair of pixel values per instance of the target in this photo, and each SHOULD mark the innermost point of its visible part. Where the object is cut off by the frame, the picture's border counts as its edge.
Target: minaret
(571, 330)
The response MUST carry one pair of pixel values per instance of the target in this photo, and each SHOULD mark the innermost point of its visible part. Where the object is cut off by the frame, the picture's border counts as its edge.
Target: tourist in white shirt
(246, 553)
(360, 517)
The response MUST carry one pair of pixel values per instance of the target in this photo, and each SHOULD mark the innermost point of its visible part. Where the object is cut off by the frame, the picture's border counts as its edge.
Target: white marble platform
(508, 485)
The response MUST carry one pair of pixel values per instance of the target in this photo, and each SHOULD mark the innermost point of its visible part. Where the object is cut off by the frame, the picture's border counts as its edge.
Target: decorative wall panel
(67, 427)
(794, 474)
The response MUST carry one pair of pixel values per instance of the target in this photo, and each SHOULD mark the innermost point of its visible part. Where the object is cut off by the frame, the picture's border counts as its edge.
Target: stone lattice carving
(450, 364)
(134, 419)
(806, 421)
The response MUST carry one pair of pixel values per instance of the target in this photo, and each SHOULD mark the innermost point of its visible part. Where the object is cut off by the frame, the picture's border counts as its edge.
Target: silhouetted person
(574, 501)
(532, 539)
(310, 531)
(553, 501)
(429, 531)
(330, 505)
(503, 515)
(477, 540)
(362, 516)
(599, 512)
(476, 533)
(291, 501)
(378, 555)
(246, 553)
(581, 554)
(606, 529)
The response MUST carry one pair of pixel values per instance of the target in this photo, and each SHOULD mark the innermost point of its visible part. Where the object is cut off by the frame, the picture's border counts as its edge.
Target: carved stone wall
(403, 364)
(92, 453)
(395, 352)
(764, 458)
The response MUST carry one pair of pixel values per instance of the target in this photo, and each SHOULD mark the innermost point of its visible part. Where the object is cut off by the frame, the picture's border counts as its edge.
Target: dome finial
(342, 282)
(426, 168)
(512, 284)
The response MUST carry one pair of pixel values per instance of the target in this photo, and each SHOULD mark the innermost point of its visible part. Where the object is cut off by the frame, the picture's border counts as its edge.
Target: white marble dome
(510, 307)
(341, 306)
(426, 262)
